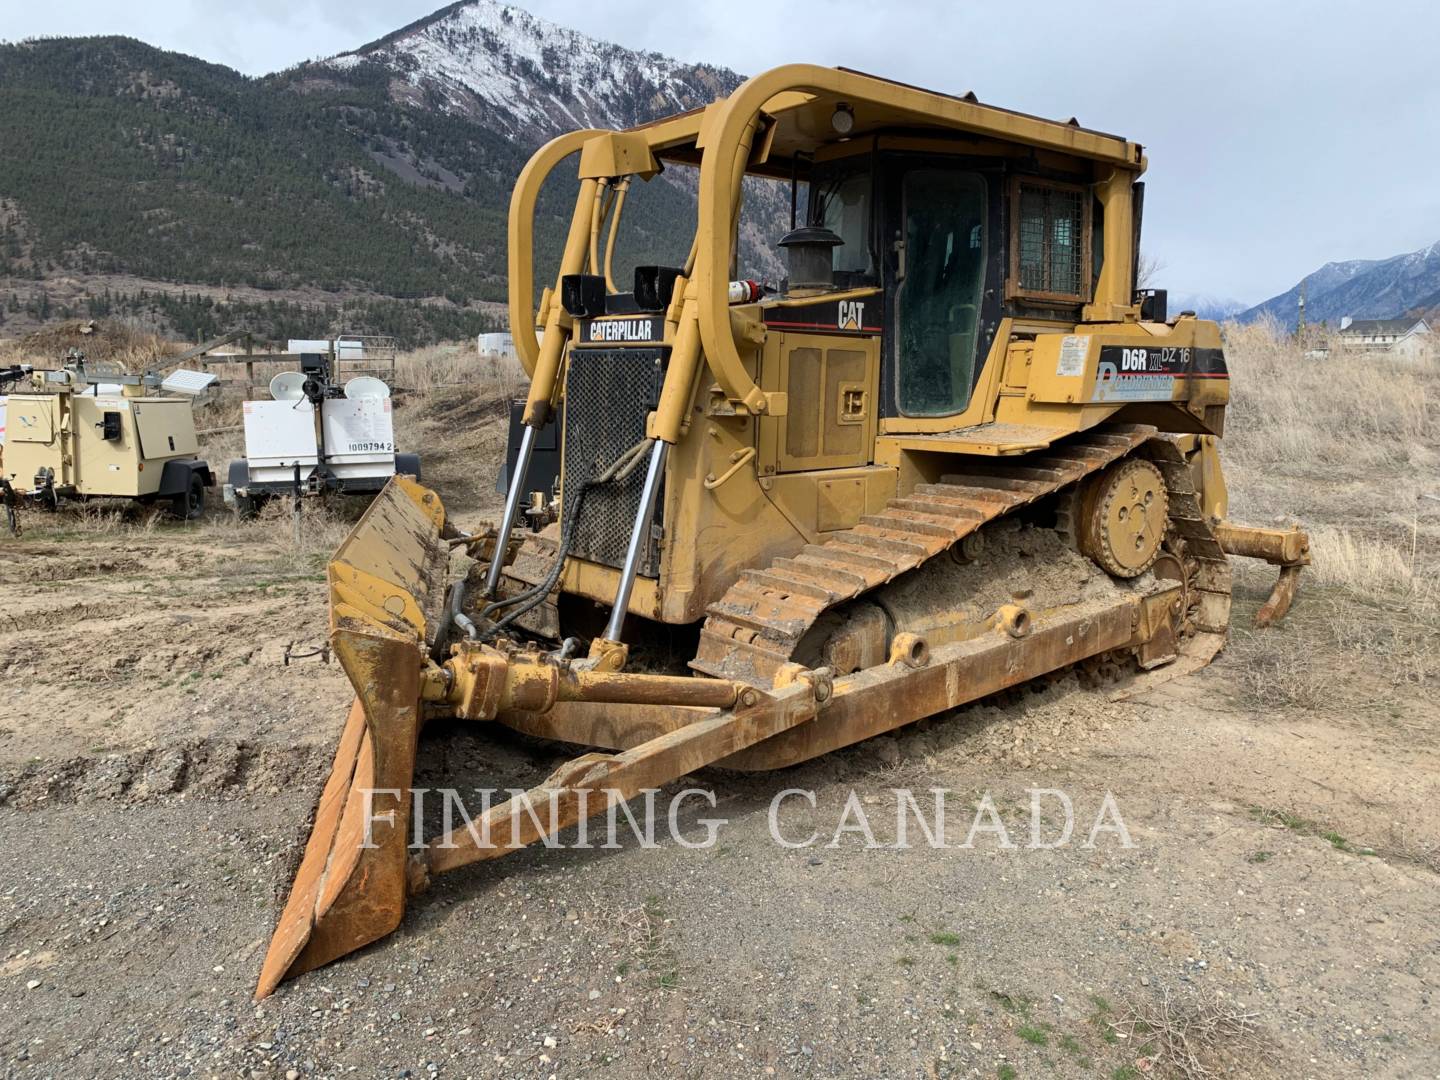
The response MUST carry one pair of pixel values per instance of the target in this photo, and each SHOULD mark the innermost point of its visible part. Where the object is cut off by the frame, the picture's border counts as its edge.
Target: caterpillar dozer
(954, 451)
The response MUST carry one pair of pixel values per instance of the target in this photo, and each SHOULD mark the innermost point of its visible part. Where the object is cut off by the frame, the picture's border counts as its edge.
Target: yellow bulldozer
(955, 450)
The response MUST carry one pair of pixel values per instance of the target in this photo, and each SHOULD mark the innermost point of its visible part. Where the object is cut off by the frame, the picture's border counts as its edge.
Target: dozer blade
(386, 592)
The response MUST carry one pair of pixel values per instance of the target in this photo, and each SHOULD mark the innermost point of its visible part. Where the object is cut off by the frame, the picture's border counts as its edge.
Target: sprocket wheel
(1123, 515)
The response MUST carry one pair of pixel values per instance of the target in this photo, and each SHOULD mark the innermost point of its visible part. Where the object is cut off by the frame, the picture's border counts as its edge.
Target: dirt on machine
(955, 450)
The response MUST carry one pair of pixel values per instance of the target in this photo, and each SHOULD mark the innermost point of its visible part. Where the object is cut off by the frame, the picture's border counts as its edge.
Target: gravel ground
(133, 926)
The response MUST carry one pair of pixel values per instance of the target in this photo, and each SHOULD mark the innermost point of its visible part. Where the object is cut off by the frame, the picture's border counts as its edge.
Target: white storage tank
(497, 346)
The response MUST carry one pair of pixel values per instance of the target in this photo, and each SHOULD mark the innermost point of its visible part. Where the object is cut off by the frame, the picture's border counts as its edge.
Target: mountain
(1216, 308)
(1361, 289)
(155, 164)
(529, 78)
(342, 190)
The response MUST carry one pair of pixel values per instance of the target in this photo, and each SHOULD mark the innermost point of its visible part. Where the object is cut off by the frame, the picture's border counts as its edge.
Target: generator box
(358, 433)
(102, 445)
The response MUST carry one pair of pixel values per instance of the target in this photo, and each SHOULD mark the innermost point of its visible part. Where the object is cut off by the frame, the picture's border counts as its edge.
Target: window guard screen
(1049, 241)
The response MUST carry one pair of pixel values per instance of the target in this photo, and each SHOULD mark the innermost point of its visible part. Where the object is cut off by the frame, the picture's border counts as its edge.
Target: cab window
(842, 205)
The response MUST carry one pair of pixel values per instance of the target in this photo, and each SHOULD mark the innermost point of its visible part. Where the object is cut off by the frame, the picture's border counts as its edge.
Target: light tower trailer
(316, 438)
(80, 435)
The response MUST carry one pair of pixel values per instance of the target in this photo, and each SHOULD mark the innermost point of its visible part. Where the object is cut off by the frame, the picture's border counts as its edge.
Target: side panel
(359, 438)
(110, 466)
(832, 384)
(32, 418)
(166, 429)
(278, 434)
(32, 442)
(1173, 376)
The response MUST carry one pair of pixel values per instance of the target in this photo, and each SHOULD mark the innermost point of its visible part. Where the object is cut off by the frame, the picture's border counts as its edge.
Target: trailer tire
(190, 505)
(247, 507)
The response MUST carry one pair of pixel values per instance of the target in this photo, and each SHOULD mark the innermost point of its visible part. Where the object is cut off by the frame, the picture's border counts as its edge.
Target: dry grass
(1348, 412)
(423, 371)
(1195, 1039)
(1344, 444)
(269, 541)
(1392, 571)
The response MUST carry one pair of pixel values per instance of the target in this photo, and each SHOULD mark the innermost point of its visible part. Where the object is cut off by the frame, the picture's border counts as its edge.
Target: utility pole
(1300, 322)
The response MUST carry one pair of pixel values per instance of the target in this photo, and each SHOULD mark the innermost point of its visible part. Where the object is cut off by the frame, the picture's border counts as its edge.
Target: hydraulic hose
(615, 472)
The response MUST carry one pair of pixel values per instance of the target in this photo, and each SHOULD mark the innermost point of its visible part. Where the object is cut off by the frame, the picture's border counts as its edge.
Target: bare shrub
(1195, 1039)
(1405, 844)
(123, 342)
(1277, 671)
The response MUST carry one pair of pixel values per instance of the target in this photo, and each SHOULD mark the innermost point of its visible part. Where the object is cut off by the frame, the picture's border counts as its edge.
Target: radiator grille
(608, 394)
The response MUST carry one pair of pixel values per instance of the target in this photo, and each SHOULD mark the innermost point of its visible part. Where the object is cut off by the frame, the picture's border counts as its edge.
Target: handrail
(521, 262)
(737, 462)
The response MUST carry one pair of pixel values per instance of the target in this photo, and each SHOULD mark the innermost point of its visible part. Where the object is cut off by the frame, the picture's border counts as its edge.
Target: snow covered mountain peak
(529, 78)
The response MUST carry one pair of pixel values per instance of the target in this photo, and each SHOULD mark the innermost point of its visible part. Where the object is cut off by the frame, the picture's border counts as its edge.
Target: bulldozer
(955, 450)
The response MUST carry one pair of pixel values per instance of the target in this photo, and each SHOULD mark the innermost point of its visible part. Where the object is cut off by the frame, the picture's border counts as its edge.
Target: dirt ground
(158, 764)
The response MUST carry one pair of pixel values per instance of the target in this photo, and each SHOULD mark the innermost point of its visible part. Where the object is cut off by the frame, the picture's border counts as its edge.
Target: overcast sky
(1280, 136)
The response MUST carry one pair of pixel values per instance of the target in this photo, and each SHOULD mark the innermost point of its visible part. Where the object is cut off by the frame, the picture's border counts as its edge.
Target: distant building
(497, 346)
(345, 348)
(1407, 338)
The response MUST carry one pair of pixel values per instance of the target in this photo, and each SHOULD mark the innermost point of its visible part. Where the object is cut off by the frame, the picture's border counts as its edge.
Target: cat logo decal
(852, 315)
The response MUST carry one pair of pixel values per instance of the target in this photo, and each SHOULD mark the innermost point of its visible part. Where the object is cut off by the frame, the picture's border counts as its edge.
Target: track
(755, 628)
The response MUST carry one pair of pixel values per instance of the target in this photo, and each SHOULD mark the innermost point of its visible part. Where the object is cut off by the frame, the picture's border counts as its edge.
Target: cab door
(939, 266)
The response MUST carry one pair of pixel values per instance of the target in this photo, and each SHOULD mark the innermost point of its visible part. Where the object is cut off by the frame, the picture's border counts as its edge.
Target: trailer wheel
(247, 507)
(190, 505)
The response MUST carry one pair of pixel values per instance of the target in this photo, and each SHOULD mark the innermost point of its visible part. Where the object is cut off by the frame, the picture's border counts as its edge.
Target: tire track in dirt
(201, 767)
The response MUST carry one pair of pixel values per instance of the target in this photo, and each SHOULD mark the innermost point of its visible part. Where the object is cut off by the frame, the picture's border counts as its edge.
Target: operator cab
(951, 242)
